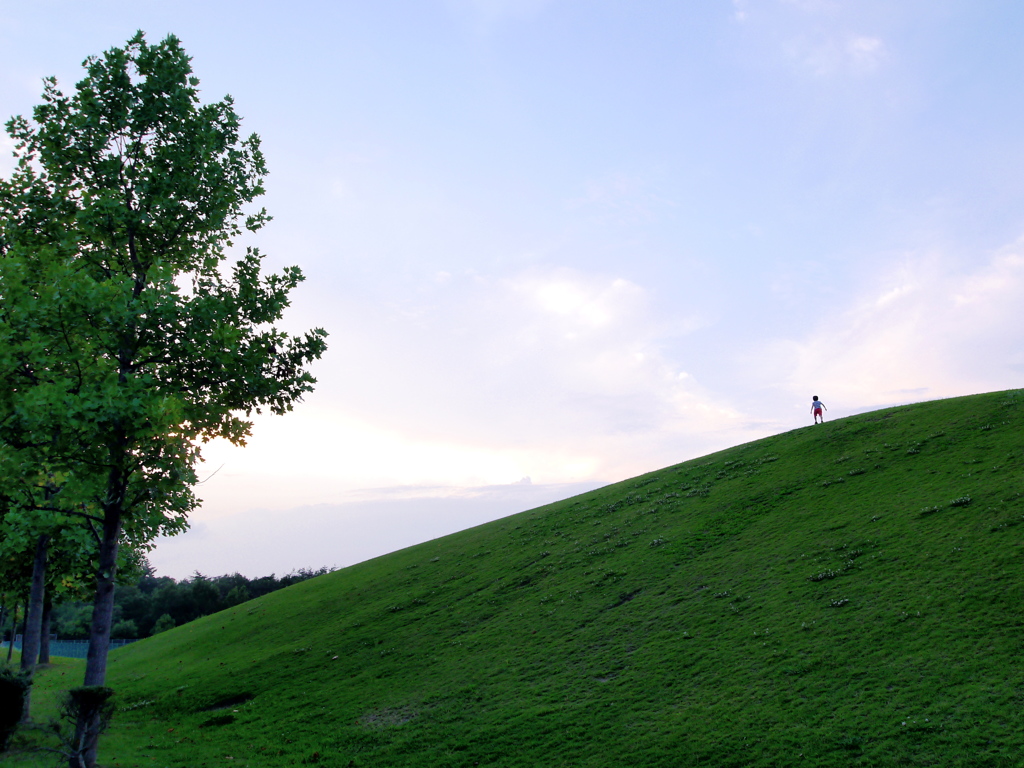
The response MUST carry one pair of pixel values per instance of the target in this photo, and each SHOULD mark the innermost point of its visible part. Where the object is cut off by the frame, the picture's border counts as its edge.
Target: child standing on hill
(816, 406)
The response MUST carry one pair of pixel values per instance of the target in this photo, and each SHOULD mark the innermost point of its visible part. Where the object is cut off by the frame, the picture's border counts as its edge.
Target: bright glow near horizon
(575, 241)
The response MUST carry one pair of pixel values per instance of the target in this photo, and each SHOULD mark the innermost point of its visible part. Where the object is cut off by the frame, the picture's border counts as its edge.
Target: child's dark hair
(814, 398)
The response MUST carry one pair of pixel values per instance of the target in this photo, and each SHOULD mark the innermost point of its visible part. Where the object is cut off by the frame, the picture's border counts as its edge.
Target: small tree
(125, 629)
(132, 339)
(237, 595)
(162, 624)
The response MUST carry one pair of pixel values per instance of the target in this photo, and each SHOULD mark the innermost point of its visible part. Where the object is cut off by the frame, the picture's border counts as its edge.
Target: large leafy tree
(132, 337)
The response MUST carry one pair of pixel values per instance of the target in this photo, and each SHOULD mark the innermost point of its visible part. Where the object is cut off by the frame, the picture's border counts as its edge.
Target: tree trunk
(34, 618)
(44, 635)
(3, 617)
(14, 633)
(87, 729)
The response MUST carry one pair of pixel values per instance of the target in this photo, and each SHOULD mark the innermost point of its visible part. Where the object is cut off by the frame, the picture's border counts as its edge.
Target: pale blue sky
(576, 241)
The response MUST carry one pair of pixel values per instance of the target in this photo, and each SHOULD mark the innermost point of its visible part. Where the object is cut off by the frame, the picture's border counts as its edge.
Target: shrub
(126, 629)
(164, 623)
(13, 689)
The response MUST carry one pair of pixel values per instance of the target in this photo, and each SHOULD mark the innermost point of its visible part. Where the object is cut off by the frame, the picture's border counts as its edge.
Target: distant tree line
(158, 603)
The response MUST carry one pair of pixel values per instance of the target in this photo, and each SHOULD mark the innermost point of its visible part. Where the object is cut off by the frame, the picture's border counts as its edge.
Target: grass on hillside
(847, 594)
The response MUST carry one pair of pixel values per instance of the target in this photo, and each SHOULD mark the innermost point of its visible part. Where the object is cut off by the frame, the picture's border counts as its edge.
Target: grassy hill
(847, 594)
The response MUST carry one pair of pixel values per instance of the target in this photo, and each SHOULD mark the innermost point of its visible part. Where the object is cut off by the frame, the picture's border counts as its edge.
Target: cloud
(833, 55)
(819, 37)
(623, 198)
(927, 329)
(549, 373)
(330, 453)
(485, 15)
(268, 539)
(592, 348)
(577, 303)
(813, 6)
(865, 54)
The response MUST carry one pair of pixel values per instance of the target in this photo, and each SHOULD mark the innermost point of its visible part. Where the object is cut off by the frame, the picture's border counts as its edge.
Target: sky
(559, 243)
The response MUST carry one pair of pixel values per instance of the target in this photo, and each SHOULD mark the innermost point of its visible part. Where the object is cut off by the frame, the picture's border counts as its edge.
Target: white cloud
(820, 37)
(322, 454)
(865, 53)
(928, 329)
(832, 55)
(552, 374)
(624, 198)
(267, 539)
(813, 6)
(585, 304)
(594, 336)
(484, 15)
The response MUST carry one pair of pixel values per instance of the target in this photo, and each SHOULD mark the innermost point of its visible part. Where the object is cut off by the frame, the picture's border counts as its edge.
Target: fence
(69, 649)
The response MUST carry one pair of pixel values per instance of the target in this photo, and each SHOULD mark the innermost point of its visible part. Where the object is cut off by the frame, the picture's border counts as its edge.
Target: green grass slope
(845, 594)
